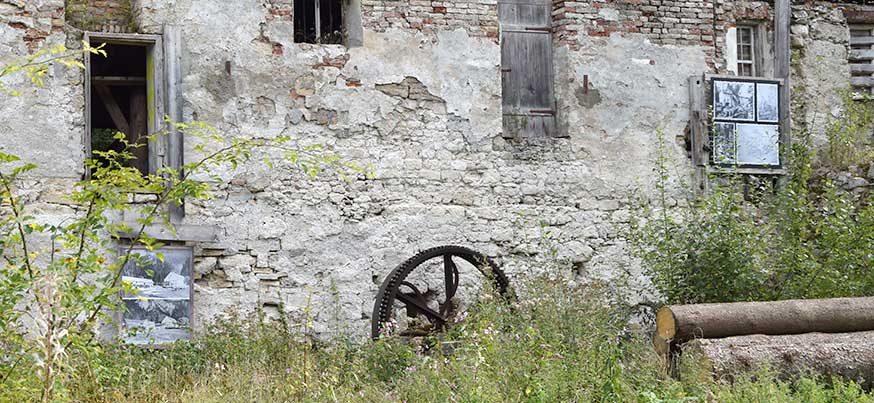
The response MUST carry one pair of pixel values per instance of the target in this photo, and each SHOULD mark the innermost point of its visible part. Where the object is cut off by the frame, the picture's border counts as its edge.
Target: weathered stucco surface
(421, 101)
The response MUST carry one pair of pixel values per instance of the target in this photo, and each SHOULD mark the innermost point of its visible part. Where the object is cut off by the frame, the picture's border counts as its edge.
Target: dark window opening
(119, 102)
(318, 21)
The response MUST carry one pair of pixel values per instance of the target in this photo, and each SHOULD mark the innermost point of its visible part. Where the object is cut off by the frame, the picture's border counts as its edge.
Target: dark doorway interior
(119, 101)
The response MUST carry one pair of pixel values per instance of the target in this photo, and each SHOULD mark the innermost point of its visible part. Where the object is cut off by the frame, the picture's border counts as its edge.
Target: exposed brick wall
(101, 15)
(668, 22)
(479, 17)
(35, 23)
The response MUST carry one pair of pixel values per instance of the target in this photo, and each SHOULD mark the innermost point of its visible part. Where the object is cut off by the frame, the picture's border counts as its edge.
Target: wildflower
(411, 369)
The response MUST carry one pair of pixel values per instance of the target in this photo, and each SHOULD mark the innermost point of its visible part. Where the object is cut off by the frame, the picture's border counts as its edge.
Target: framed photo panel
(725, 143)
(758, 145)
(745, 130)
(734, 100)
(767, 103)
(158, 300)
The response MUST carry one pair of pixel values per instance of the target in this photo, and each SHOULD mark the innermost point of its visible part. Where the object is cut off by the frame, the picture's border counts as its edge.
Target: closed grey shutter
(526, 68)
(862, 58)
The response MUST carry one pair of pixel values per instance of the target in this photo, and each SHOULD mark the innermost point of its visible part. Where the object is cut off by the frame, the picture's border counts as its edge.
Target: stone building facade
(415, 88)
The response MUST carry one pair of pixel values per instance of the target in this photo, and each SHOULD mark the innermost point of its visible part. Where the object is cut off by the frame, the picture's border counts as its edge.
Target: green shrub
(567, 344)
(804, 238)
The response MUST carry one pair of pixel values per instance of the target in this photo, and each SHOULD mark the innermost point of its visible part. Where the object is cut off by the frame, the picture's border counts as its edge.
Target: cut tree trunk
(849, 355)
(681, 323)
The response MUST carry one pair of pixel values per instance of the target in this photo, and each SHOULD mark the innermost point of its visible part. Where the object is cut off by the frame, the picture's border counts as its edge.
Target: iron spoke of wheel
(450, 277)
(421, 307)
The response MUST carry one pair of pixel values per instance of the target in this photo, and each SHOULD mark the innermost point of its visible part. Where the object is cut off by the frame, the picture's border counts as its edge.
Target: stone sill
(184, 232)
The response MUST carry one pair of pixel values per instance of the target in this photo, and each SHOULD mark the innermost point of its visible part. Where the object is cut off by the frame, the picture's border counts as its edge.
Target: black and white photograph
(767, 102)
(734, 100)
(156, 321)
(159, 307)
(758, 145)
(724, 143)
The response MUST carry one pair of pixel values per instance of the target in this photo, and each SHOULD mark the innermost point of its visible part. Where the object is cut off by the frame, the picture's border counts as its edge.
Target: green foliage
(566, 345)
(755, 241)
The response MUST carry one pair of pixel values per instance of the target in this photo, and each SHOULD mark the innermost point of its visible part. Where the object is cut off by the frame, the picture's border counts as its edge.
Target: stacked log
(826, 336)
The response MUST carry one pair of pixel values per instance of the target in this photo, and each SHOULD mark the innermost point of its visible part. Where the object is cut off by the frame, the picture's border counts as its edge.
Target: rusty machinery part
(396, 288)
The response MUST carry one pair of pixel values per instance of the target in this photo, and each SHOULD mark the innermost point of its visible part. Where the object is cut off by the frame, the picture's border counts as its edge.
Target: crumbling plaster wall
(422, 105)
(820, 70)
(421, 101)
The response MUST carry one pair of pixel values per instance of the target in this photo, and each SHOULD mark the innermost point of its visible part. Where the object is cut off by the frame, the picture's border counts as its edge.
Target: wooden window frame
(164, 96)
(755, 49)
(700, 129)
(154, 88)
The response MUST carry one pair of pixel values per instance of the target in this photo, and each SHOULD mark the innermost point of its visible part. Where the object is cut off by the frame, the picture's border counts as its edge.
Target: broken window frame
(163, 92)
(154, 91)
(119, 315)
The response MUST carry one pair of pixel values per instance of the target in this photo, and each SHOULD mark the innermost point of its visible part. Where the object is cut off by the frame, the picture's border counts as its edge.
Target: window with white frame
(746, 50)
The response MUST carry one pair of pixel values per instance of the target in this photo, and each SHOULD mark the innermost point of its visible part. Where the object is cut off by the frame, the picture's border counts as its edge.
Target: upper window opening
(119, 101)
(527, 76)
(318, 21)
(746, 51)
(861, 58)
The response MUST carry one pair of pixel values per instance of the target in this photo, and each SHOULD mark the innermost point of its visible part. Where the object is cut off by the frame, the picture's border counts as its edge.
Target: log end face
(666, 324)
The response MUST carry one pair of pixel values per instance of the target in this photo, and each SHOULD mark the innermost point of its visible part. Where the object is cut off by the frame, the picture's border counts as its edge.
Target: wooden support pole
(782, 57)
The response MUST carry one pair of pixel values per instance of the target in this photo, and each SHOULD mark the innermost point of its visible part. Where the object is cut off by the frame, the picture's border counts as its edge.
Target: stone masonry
(421, 101)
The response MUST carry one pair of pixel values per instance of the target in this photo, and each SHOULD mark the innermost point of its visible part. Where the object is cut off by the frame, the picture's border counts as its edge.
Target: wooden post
(698, 131)
(173, 71)
(783, 16)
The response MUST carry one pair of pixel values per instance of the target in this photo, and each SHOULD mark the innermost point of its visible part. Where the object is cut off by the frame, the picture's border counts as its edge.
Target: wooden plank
(524, 14)
(862, 40)
(862, 81)
(866, 68)
(112, 107)
(118, 81)
(86, 137)
(139, 129)
(156, 100)
(198, 233)
(782, 58)
(173, 71)
(698, 121)
(861, 54)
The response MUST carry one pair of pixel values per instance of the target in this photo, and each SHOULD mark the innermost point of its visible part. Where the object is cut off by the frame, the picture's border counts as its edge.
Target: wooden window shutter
(528, 92)
(173, 74)
(861, 58)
